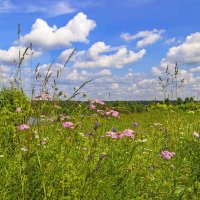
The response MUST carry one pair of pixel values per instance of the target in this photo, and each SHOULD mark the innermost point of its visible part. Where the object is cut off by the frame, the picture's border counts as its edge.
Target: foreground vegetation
(79, 151)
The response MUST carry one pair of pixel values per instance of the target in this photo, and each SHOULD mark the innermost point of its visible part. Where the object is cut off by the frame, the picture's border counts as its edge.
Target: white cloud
(75, 75)
(68, 74)
(186, 53)
(114, 86)
(105, 72)
(45, 37)
(12, 54)
(145, 83)
(127, 86)
(96, 56)
(148, 37)
(65, 54)
(133, 87)
(170, 41)
(5, 69)
(156, 71)
(195, 69)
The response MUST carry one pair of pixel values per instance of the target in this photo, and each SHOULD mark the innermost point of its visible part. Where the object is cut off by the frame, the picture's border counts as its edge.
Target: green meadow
(47, 160)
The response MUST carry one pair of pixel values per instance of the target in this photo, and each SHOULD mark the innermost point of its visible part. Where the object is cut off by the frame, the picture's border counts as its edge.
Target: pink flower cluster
(125, 133)
(92, 106)
(112, 134)
(23, 127)
(68, 125)
(195, 134)
(112, 113)
(167, 154)
(97, 101)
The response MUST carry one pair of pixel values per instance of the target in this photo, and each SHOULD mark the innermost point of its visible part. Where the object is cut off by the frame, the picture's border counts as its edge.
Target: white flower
(140, 140)
(24, 149)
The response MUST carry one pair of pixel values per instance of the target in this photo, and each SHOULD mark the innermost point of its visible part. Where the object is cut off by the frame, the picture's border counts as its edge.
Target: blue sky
(123, 45)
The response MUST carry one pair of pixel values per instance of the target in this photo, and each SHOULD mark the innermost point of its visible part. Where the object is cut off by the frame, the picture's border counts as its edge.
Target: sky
(123, 46)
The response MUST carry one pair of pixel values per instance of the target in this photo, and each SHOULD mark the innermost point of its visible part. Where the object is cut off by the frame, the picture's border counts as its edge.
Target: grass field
(96, 157)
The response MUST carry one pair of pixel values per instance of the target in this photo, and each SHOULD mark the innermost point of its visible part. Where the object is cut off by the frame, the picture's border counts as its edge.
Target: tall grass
(48, 161)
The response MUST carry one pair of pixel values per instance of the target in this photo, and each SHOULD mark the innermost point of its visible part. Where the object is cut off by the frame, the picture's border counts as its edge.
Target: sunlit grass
(48, 161)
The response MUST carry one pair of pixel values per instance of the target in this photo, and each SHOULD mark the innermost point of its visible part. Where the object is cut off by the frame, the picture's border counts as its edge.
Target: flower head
(23, 127)
(127, 133)
(18, 110)
(97, 125)
(135, 124)
(113, 113)
(24, 149)
(97, 101)
(44, 141)
(92, 106)
(112, 134)
(114, 130)
(68, 125)
(167, 154)
(195, 134)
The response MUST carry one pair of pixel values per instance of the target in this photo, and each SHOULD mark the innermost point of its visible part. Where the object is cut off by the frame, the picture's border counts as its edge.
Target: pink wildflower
(18, 110)
(111, 134)
(68, 125)
(23, 127)
(92, 106)
(167, 155)
(92, 101)
(113, 113)
(127, 133)
(195, 134)
(44, 141)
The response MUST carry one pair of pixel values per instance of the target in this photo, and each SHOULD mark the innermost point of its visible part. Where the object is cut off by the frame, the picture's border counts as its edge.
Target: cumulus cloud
(145, 83)
(147, 37)
(186, 53)
(195, 69)
(12, 54)
(156, 71)
(105, 72)
(114, 86)
(46, 37)
(66, 54)
(102, 55)
(67, 74)
(126, 85)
